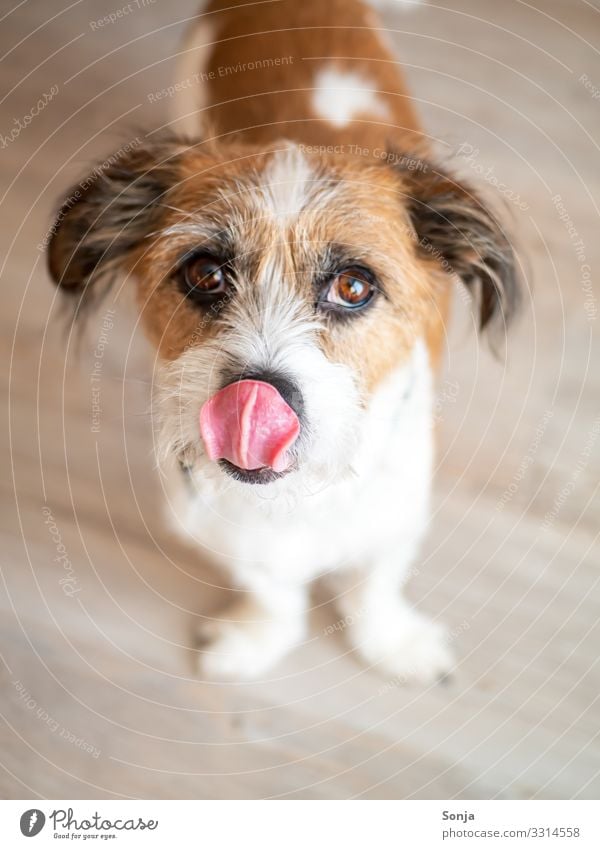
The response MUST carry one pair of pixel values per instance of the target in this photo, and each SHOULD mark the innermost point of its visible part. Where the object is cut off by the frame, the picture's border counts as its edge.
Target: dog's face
(280, 288)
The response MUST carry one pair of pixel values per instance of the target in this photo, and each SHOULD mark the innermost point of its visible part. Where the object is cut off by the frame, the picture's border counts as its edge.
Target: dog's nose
(251, 424)
(287, 388)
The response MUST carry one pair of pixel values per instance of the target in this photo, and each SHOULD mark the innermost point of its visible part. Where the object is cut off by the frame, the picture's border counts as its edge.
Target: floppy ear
(107, 214)
(455, 227)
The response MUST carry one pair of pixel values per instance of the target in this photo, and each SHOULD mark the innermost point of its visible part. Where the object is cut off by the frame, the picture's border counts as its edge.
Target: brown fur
(373, 234)
(268, 104)
(406, 218)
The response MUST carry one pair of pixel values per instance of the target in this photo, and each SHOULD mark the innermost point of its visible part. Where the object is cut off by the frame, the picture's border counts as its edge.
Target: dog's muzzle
(250, 427)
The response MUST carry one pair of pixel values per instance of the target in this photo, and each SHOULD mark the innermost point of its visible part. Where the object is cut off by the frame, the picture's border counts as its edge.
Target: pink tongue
(249, 424)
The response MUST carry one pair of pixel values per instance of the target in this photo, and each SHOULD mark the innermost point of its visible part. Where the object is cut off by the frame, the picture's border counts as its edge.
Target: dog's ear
(454, 227)
(107, 214)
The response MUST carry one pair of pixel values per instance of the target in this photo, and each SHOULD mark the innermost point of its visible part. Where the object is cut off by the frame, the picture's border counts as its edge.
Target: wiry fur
(280, 339)
(285, 217)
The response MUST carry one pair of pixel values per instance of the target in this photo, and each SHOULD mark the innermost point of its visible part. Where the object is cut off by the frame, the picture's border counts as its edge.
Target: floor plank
(100, 697)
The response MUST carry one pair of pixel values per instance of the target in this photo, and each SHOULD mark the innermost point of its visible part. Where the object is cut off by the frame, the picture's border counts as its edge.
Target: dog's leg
(385, 629)
(254, 632)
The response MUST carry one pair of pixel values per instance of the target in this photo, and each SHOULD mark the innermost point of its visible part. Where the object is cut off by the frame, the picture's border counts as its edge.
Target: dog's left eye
(351, 289)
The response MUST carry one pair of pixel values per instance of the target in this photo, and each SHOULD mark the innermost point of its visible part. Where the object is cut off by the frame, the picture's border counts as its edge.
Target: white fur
(360, 525)
(258, 631)
(358, 504)
(264, 328)
(340, 96)
(287, 183)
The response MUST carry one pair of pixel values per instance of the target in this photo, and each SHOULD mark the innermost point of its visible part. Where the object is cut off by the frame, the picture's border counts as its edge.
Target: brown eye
(204, 277)
(351, 289)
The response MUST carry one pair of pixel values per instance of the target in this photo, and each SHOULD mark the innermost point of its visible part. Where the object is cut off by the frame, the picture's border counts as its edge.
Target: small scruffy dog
(293, 256)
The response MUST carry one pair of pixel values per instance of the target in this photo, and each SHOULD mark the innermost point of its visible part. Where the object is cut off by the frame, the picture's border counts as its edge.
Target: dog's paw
(411, 649)
(245, 645)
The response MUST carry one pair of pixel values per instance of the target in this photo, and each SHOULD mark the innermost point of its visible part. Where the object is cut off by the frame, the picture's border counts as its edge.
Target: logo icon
(32, 822)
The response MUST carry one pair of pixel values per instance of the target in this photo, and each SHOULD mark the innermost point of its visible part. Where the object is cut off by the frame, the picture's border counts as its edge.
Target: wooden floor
(99, 693)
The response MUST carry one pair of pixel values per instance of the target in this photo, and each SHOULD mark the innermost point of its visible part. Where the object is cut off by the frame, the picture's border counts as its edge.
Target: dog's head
(280, 288)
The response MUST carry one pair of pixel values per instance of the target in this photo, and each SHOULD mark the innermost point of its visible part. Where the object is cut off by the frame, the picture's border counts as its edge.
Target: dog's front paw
(246, 644)
(410, 648)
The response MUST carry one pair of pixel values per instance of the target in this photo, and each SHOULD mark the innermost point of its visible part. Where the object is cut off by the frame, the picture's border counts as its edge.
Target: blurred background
(100, 698)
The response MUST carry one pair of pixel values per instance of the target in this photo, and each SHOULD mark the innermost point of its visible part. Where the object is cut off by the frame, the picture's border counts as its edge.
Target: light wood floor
(99, 694)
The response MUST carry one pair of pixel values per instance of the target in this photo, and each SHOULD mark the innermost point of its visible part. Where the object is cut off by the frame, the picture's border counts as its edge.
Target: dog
(293, 248)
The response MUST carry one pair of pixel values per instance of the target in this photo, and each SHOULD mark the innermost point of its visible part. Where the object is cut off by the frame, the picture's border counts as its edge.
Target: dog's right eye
(204, 277)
